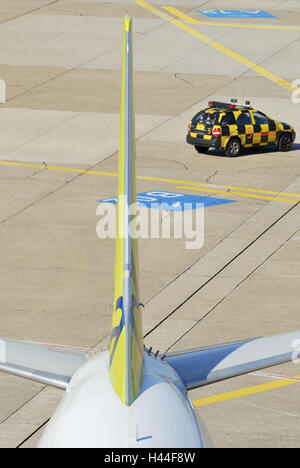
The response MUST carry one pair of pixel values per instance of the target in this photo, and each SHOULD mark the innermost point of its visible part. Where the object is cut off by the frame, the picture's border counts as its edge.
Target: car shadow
(252, 151)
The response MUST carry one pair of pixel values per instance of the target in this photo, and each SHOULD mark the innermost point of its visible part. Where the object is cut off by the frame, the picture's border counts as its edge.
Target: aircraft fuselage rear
(92, 415)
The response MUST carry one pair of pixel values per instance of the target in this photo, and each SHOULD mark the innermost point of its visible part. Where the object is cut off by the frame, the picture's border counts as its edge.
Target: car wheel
(201, 149)
(285, 142)
(233, 148)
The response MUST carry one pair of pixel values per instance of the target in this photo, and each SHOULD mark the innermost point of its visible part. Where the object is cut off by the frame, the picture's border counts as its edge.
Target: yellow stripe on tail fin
(126, 346)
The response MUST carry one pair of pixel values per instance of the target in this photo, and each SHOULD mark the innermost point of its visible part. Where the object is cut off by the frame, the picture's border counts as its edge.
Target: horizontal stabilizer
(203, 366)
(47, 364)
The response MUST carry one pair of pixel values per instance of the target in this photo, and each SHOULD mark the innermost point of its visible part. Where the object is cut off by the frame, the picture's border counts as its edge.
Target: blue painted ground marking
(172, 201)
(237, 14)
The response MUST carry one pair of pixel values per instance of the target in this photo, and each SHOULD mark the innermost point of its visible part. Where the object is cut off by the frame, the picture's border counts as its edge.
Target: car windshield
(206, 118)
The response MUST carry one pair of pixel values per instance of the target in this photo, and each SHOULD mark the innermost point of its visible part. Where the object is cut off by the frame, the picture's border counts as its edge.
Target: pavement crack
(37, 172)
(211, 177)
(176, 75)
(179, 163)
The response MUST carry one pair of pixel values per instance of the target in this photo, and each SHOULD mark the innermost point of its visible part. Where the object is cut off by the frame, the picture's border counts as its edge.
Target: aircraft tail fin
(126, 346)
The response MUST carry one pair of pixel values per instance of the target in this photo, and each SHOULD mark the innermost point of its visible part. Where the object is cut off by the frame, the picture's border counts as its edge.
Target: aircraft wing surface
(48, 364)
(203, 366)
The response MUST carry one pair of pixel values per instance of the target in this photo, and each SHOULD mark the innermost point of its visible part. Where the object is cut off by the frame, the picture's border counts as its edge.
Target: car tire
(285, 142)
(233, 148)
(201, 149)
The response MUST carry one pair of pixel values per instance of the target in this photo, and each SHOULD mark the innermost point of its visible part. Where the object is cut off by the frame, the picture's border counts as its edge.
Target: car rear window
(206, 118)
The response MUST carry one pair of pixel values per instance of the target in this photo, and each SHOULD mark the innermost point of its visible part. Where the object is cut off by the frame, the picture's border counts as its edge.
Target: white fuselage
(91, 415)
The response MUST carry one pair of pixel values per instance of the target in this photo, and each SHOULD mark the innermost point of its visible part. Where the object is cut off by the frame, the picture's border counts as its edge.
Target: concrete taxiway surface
(59, 129)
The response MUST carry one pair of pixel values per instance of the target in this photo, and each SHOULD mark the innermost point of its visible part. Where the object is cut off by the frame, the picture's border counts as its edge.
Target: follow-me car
(232, 127)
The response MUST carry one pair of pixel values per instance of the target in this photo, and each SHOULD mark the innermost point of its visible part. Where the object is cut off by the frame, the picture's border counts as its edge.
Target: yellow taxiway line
(238, 194)
(184, 184)
(57, 168)
(245, 392)
(216, 45)
(191, 20)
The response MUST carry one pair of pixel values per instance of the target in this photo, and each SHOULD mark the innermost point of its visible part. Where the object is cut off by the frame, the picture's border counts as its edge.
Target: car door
(261, 129)
(245, 128)
(272, 130)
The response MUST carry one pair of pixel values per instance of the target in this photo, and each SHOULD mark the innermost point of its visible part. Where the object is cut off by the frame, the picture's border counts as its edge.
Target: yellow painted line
(225, 50)
(191, 20)
(230, 187)
(186, 183)
(243, 392)
(182, 15)
(239, 194)
(270, 192)
(61, 169)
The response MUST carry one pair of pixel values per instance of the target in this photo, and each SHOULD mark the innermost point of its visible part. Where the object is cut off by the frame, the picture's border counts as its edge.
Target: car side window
(228, 119)
(260, 118)
(244, 119)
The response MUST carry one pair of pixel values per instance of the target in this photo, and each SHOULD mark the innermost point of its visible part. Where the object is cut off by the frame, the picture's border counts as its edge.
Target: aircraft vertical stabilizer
(126, 347)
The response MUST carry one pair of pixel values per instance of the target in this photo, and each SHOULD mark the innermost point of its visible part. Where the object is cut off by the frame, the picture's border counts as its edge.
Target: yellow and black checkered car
(232, 127)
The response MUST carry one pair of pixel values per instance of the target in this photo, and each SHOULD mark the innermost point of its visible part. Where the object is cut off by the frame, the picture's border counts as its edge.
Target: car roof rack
(232, 105)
